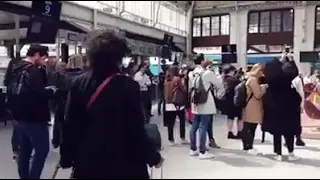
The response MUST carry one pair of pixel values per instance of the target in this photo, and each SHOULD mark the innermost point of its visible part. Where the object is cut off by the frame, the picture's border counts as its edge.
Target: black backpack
(240, 95)
(17, 88)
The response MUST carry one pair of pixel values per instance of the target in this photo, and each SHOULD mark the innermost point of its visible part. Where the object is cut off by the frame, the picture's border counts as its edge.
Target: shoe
(292, 157)
(231, 136)
(193, 153)
(171, 143)
(239, 135)
(206, 155)
(299, 142)
(253, 152)
(213, 144)
(278, 158)
(184, 142)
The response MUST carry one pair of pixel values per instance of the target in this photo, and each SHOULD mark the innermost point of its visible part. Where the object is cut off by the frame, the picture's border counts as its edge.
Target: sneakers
(202, 156)
(213, 144)
(184, 142)
(253, 152)
(193, 153)
(206, 155)
(172, 143)
(292, 157)
(299, 142)
(231, 136)
(278, 158)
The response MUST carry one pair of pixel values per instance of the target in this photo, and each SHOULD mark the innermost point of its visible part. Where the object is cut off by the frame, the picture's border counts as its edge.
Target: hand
(53, 88)
(159, 165)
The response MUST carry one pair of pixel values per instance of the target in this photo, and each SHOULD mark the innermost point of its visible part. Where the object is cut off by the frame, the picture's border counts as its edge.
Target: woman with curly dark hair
(104, 135)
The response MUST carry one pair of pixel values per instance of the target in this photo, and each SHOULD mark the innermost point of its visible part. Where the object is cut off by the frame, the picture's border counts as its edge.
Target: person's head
(229, 70)
(257, 70)
(37, 54)
(61, 67)
(207, 64)
(172, 72)
(143, 67)
(199, 59)
(105, 51)
(317, 73)
(75, 62)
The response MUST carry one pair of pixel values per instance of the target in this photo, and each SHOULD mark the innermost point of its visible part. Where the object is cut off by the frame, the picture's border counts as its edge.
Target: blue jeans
(200, 122)
(32, 136)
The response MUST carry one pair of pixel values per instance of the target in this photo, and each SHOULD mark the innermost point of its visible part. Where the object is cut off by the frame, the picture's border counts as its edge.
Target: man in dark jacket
(28, 102)
(106, 140)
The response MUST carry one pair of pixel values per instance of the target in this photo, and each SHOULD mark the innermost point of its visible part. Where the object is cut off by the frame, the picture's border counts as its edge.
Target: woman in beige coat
(252, 114)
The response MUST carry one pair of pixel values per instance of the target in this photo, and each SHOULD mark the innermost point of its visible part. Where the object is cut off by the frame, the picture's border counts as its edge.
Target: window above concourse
(270, 21)
(216, 25)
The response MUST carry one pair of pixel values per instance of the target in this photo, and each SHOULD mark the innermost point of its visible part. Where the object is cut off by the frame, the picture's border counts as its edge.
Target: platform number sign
(47, 8)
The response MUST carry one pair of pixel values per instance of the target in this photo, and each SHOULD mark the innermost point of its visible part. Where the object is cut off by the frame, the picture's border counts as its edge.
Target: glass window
(253, 22)
(318, 18)
(206, 26)
(196, 32)
(275, 21)
(215, 25)
(225, 25)
(287, 19)
(264, 22)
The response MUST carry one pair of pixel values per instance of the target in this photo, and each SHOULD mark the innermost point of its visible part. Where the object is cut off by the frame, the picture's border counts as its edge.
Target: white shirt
(298, 85)
(143, 80)
(209, 78)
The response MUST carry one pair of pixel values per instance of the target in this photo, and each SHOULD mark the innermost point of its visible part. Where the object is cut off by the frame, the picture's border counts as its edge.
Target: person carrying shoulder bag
(174, 92)
(252, 113)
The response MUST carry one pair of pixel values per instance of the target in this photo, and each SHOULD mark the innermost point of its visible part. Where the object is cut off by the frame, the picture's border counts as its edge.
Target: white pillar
(17, 35)
(304, 34)
(95, 23)
(189, 30)
(238, 35)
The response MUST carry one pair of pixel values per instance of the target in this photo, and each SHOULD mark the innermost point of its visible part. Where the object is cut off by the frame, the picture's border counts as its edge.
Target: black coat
(281, 102)
(109, 140)
(63, 82)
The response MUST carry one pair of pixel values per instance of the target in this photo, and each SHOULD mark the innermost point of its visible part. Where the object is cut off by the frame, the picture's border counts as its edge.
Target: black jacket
(32, 104)
(9, 72)
(281, 102)
(108, 140)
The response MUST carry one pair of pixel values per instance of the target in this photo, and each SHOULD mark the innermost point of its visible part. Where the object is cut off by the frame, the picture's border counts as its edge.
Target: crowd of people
(100, 111)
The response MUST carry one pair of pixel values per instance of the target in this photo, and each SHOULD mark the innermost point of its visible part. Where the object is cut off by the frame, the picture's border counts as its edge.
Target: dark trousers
(210, 130)
(33, 136)
(248, 133)
(160, 102)
(171, 120)
(146, 103)
(15, 139)
(277, 143)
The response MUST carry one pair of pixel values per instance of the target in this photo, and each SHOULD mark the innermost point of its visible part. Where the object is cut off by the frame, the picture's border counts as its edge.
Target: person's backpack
(16, 90)
(240, 95)
(179, 97)
(199, 95)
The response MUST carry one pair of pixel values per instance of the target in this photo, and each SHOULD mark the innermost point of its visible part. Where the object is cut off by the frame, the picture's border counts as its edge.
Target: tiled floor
(230, 161)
